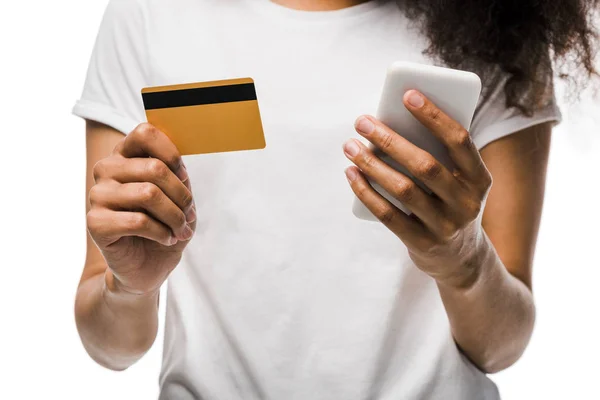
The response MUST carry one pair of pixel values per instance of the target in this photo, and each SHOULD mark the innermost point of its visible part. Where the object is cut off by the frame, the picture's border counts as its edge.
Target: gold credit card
(207, 117)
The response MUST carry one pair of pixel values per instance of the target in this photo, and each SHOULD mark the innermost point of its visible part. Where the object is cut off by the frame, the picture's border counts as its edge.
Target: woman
(283, 293)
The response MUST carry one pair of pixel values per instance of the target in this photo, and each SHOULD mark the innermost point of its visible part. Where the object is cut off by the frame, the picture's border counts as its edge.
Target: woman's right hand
(142, 213)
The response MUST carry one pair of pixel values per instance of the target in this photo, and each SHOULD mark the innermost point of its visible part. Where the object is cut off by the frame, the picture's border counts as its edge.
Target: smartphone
(454, 91)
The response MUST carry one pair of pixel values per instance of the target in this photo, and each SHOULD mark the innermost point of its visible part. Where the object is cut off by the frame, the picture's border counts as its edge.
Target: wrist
(114, 288)
(470, 268)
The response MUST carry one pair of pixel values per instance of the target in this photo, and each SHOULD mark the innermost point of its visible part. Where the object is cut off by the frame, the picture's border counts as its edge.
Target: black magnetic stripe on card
(199, 96)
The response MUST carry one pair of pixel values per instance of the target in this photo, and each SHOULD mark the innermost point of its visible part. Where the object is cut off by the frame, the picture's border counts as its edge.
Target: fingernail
(187, 232)
(172, 240)
(182, 173)
(190, 215)
(350, 174)
(364, 125)
(415, 99)
(351, 147)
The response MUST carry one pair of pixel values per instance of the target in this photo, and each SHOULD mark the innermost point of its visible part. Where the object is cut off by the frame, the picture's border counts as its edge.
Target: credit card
(207, 117)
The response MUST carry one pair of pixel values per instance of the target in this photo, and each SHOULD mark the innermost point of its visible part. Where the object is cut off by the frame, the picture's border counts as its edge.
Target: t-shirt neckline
(325, 16)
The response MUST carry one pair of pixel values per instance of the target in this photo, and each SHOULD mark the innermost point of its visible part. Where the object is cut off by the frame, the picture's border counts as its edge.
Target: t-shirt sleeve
(117, 70)
(493, 120)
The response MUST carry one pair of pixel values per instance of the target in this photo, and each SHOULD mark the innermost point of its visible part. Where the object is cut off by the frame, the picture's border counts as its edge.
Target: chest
(311, 83)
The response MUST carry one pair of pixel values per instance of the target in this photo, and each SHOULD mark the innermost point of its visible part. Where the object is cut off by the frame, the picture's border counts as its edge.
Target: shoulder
(126, 5)
(152, 11)
(168, 5)
(154, 6)
(494, 119)
(152, 14)
(119, 12)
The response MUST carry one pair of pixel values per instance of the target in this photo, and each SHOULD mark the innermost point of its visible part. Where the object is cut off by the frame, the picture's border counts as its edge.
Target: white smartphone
(455, 92)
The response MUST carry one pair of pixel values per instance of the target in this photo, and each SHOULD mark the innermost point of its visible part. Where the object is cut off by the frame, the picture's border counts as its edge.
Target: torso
(283, 293)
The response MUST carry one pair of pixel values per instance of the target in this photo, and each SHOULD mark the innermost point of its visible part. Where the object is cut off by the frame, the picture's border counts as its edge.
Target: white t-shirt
(283, 294)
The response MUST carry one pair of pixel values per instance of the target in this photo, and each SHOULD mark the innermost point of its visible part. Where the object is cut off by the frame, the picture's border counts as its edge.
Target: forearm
(492, 317)
(116, 328)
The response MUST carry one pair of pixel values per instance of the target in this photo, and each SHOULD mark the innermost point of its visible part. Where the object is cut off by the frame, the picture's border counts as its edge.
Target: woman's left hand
(444, 233)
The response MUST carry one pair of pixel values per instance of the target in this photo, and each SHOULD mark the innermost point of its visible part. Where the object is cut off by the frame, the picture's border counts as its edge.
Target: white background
(44, 50)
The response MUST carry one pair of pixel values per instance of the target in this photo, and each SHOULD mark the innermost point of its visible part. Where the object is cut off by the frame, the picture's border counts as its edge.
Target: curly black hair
(531, 40)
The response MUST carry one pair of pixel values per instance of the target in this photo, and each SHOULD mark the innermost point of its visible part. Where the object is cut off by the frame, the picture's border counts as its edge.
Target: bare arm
(492, 320)
(117, 320)
(476, 242)
(115, 329)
